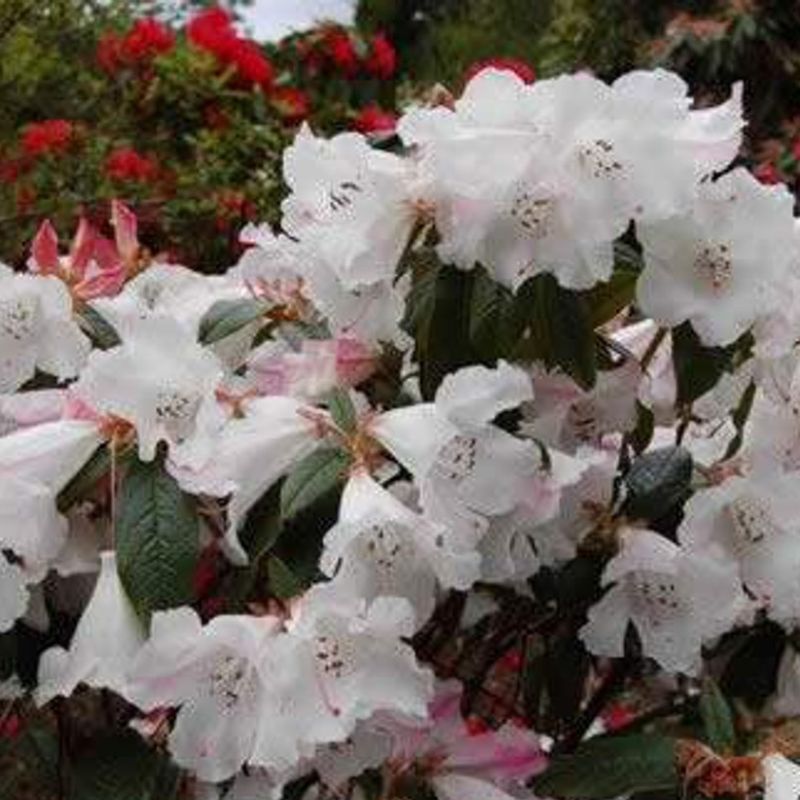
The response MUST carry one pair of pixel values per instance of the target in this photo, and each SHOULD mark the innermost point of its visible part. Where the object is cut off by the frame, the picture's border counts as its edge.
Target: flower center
(598, 157)
(656, 597)
(713, 264)
(457, 459)
(19, 318)
(753, 524)
(226, 679)
(535, 214)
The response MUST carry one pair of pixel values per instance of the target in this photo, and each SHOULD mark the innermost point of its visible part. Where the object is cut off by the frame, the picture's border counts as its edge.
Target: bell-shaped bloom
(676, 600)
(341, 661)
(108, 636)
(318, 367)
(352, 205)
(781, 778)
(13, 594)
(464, 465)
(162, 382)
(37, 330)
(721, 264)
(250, 454)
(381, 547)
(540, 531)
(36, 463)
(463, 764)
(212, 673)
(366, 748)
(751, 523)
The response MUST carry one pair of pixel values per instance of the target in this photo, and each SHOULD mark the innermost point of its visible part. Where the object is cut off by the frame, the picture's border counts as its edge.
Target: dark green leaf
(438, 318)
(559, 331)
(566, 667)
(122, 767)
(717, 718)
(98, 328)
(315, 476)
(342, 410)
(157, 539)
(641, 436)
(751, 673)
(495, 321)
(697, 368)
(608, 767)
(226, 317)
(283, 583)
(606, 300)
(740, 416)
(658, 481)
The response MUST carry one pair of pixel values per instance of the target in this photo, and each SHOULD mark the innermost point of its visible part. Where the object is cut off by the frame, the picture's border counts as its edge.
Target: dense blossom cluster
(492, 472)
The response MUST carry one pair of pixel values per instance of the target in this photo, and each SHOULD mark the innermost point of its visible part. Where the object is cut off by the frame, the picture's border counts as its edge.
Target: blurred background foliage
(193, 139)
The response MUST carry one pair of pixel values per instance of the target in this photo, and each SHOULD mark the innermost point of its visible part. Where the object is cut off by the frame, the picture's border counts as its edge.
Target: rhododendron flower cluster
(522, 391)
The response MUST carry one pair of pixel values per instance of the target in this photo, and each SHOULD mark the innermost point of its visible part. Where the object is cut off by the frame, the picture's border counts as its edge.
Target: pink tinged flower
(160, 381)
(213, 675)
(248, 455)
(108, 636)
(44, 250)
(379, 547)
(126, 227)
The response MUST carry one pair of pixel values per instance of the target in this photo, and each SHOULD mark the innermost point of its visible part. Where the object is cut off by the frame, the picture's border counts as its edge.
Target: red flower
(251, 64)
(147, 39)
(520, 68)
(11, 169)
(767, 173)
(341, 52)
(108, 53)
(51, 136)
(382, 61)
(373, 119)
(293, 105)
(126, 165)
(212, 30)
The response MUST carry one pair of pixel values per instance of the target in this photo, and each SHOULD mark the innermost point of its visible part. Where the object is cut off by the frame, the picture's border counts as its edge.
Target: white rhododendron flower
(108, 636)
(751, 523)
(213, 673)
(457, 454)
(249, 454)
(676, 601)
(353, 205)
(160, 381)
(380, 547)
(781, 778)
(37, 330)
(708, 265)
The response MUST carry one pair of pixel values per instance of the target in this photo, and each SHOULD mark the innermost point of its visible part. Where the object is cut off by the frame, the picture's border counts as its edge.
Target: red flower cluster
(212, 30)
(293, 105)
(337, 50)
(373, 119)
(382, 59)
(126, 165)
(53, 136)
(520, 68)
(147, 39)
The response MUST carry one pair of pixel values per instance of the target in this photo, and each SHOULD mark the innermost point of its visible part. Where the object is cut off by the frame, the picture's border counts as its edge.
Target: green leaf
(122, 767)
(697, 368)
(438, 317)
(342, 409)
(717, 718)
(102, 333)
(283, 583)
(739, 417)
(315, 476)
(641, 436)
(157, 539)
(560, 331)
(226, 317)
(611, 766)
(607, 299)
(96, 468)
(658, 481)
(495, 321)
